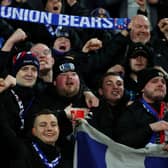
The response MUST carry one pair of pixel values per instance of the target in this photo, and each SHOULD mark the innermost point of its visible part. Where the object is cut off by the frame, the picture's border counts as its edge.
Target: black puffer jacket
(133, 126)
(106, 116)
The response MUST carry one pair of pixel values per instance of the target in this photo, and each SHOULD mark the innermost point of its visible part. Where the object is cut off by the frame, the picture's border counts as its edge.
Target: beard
(154, 96)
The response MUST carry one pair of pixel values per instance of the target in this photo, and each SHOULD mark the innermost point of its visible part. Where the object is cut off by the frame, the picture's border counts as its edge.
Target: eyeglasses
(45, 52)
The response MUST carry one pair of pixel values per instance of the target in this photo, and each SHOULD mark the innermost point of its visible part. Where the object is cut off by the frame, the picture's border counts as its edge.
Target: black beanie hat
(147, 74)
(139, 49)
(24, 58)
(62, 65)
(64, 32)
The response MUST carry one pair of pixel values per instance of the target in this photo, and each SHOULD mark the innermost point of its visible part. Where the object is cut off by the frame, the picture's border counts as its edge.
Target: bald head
(140, 29)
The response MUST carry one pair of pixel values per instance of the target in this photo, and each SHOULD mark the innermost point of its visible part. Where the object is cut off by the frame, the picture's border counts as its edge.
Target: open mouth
(69, 83)
(62, 48)
(55, 8)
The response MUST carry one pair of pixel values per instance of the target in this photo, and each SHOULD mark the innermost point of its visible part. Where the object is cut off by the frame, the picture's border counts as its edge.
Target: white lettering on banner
(63, 20)
(26, 15)
(6, 14)
(98, 22)
(84, 22)
(34, 17)
(19, 14)
(46, 18)
(107, 23)
(75, 21)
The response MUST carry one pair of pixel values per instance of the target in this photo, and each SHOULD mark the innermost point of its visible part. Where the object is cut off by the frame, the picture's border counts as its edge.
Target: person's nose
(49, 127)
(29, 72)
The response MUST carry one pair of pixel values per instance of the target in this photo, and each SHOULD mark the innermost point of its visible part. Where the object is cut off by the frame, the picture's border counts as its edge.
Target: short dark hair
(107, 74)
(43, 111)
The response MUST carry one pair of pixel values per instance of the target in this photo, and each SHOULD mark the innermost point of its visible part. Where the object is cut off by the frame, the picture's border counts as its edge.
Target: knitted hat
(63, 32)
(139, 49)
(62, 65)
(147, 74)
(24, 58)
(70, 34)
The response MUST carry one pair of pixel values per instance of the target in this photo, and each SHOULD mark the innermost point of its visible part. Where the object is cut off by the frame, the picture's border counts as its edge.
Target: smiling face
(43, 54)
(54, 6)
(27, 76)
(46, 128)
(140, 29)
(112, 88)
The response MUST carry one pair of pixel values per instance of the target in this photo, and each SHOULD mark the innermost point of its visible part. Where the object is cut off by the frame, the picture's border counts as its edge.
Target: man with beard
(146, 120)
